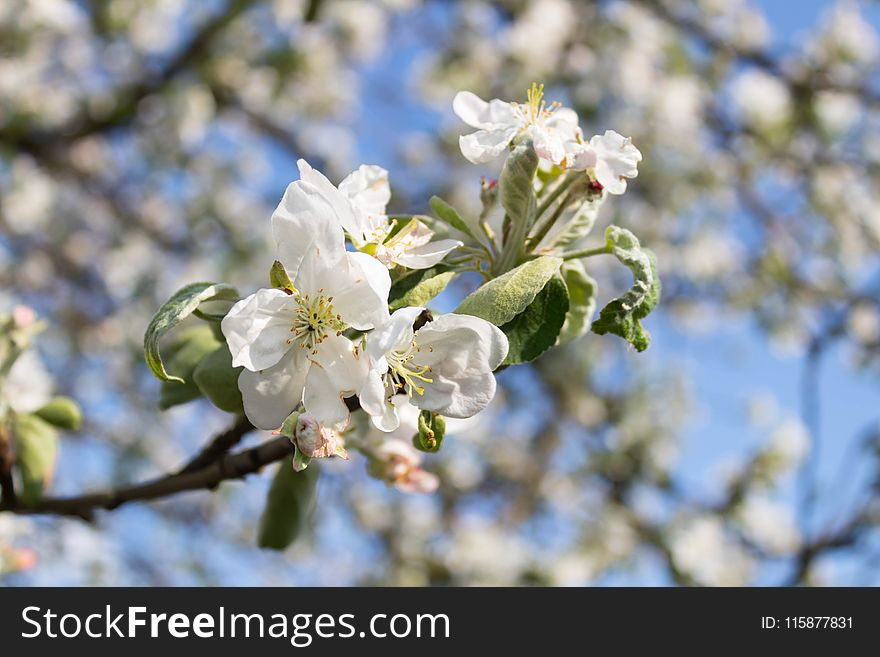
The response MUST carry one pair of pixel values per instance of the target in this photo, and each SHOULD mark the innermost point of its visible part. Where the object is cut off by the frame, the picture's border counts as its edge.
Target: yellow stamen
(536, 100)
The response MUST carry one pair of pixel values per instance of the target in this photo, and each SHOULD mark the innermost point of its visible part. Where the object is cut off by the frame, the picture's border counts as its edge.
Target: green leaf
(449, 214)
(288, 427)
(419, 287)
(536, 329)
(622, 316)
(175, 310)
(581, 300)
(36, 443)
(432, 429)
(61, 412)
(579, 226)
(218, 380)
(300, 460)
(505, 297)
(278, 277)
(289, 506)
(185, 352)
(517, 187)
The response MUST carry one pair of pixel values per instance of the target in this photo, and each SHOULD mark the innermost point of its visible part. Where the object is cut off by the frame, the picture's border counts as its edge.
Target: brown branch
(7, 459)
(229, 466)
(221, 444)
(846, 536)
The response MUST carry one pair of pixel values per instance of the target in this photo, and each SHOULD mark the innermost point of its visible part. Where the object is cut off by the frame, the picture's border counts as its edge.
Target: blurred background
(144, 143)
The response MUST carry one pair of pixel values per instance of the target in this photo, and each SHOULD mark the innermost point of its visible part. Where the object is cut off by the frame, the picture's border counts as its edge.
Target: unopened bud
(488, 193)
(313, 439)
(400, 465)
(23, 316)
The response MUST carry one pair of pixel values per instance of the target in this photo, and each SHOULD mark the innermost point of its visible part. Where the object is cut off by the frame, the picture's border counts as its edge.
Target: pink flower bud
(23, 316)
(419, 481)
(398, 463)
(313, 439)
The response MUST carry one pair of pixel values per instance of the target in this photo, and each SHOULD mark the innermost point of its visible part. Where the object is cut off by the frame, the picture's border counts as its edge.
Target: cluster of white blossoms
(326, 338)
(609, 158)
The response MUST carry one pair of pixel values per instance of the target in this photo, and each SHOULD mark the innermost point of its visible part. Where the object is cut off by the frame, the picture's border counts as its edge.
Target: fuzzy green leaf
(61, 412)
(36, 443)
(535, 330)
(448, 214)
(419, 287)
(185, 352)
(505, 297)
(289, 506)
(517, 187)
(288, 427)
(622, 316)
(180, 306)
(579, 226)
(218, 380)
(581, 300)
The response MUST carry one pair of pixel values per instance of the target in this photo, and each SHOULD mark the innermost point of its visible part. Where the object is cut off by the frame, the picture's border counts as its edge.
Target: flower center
(536, 110)
(386, 249)
(314, 319)
(404, 373)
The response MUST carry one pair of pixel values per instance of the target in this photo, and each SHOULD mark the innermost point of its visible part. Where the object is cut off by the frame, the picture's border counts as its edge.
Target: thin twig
(229, 466)
(221, 444)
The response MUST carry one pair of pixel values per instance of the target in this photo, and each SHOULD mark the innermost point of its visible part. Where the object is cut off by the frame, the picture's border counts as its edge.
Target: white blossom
(498, 123)
(446, 366)
(790, 442)
(290, 342)
(769, 524)
(611, 157)
(359, 203)
(702, 548)
(837, 111)
(760, 98)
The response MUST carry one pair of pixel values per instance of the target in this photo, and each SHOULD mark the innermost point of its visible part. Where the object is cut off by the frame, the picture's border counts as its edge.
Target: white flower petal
(271, 395)
(462, 342)
(397, 332)
(367, 188)
(617, 159)
(306, 225)
(372, 394)
(343, 210)
(323, 399)
(345, 367)
(389, 419)
(580, 157)
(606, 177)
(427, 255)
(457, 398)
(548, 145)
(565, 120)
(360, 291)
(257, 329)
(477, 113)
(485, 145)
